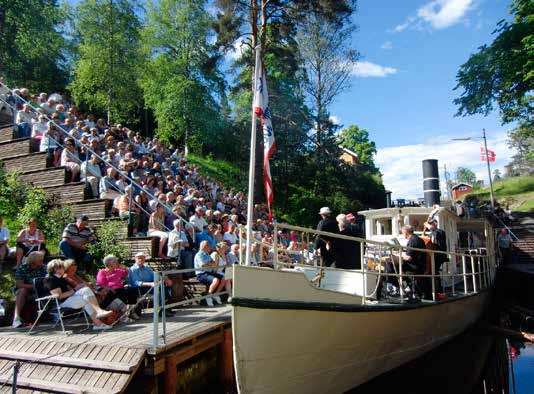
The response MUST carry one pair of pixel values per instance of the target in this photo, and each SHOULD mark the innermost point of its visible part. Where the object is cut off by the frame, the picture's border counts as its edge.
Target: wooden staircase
(22, 155)
(524, 247)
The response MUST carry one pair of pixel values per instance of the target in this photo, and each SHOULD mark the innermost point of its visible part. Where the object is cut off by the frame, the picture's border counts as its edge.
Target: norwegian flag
(491, 155)
(261, 108)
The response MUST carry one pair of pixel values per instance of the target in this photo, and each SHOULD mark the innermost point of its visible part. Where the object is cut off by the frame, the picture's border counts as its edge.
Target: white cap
(325, 211)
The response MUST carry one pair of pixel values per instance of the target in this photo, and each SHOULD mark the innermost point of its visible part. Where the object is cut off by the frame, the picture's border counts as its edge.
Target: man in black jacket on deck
(326, 245)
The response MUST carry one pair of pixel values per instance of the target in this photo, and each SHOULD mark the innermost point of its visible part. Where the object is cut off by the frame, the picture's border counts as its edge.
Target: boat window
(385, 226)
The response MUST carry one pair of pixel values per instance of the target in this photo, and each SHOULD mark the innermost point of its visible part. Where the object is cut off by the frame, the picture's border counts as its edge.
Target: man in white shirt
(197, 220)
(230, 237)
(91, 170)
(177, 240)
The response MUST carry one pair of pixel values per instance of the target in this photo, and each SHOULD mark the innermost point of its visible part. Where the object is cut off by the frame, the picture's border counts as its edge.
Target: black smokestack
(388, 199)
(431, 182)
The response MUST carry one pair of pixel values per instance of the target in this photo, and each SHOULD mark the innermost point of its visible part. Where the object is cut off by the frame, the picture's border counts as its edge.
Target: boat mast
(252, 164)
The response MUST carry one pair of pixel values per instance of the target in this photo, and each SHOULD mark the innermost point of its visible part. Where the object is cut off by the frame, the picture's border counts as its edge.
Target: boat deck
(104, 361)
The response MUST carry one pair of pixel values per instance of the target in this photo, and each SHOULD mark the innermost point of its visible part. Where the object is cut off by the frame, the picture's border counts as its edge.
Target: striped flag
(491, 155)
(261, 108)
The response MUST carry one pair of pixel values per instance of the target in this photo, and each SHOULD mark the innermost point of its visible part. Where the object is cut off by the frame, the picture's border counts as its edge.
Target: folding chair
(49, 304)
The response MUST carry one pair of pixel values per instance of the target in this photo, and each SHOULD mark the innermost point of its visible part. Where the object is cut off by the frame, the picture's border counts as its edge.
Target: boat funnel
(388, 199)
(431, 182)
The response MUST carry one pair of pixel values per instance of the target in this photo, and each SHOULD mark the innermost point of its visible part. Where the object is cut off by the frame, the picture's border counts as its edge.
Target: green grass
(518, 192)
(222, 171)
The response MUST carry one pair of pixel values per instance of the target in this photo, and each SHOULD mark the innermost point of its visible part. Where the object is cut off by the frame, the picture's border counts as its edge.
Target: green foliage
(32, 46)
(522, 140)
(12, 193)
(357, 140)
(502, 72)
(108, 241)
(465, 175)
(106, 70)
(518, 192)
(180, 80)
(221, 171)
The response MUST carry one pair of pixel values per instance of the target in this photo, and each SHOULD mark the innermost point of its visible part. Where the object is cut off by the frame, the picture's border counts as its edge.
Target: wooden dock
(86, 361)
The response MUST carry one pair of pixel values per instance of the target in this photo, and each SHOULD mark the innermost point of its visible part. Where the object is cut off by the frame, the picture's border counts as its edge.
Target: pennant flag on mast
(261, 108)
(490, 154)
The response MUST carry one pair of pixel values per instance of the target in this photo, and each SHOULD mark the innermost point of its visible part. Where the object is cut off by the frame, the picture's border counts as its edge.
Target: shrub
(108, 241)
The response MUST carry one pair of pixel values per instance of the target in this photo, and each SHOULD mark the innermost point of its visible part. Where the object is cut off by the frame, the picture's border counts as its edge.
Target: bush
(108, 241)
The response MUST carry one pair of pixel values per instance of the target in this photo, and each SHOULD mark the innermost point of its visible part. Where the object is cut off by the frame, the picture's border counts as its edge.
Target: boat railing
(160, 305)
(382, 264)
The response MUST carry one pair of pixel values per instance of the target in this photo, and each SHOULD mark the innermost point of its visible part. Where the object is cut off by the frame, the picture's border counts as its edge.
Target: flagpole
(489, 170)
(252, 164)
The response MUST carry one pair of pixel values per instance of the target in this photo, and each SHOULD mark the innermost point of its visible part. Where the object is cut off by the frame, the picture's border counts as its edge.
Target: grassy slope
(517, 191)
(222, 171)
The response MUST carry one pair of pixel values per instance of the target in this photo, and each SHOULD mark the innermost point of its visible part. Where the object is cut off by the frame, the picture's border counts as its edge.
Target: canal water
(476, 362)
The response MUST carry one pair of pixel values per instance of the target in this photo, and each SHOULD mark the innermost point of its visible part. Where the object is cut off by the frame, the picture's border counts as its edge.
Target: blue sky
(402, 90)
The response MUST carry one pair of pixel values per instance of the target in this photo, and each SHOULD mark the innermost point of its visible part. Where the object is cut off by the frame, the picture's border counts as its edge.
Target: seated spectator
(70, 159)
(131, 213)
(74, 298)
(39, 128)
(197, 220)
(233, 256)
(24, 120)
(90, 170)
(219, 257)
(213, 279)
(29, 240)
(141, 277)
(76, 237)
(49, 143)
(177, 240)
(156, 228)
(4, 240)
(208, 235)
(49, 107)
(24, 275)
(294, 251)
(230, 237)
(108, 185)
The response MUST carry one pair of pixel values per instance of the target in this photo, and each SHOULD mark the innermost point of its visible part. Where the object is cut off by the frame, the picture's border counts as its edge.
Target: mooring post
(226, 366)
(171, 375)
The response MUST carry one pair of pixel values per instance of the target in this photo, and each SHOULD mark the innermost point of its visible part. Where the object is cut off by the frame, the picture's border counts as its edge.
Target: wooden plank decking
(103, 362)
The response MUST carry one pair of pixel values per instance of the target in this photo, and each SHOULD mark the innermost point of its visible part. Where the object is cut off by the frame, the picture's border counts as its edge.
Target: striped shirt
(72, 232)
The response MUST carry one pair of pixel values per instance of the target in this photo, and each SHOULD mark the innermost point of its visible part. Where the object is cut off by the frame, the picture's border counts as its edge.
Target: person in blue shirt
(141, 276)
(207, 275)
(208, 235)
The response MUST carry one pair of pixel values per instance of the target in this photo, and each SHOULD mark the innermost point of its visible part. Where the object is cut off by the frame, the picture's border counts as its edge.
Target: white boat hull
(291, 337)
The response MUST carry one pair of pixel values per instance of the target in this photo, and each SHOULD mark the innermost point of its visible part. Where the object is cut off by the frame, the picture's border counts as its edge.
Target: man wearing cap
(325, 244)
(76, 236)
(141, 276)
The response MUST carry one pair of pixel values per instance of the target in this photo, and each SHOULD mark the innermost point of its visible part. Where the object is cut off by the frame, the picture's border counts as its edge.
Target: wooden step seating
(54, 176)
(66, 194)
(94, 208)
(147, 245)
(26, 163)
(6, 132)
(18, 147)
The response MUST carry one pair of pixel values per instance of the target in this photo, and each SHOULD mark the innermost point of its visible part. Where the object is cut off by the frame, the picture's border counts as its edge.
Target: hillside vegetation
(517, 192)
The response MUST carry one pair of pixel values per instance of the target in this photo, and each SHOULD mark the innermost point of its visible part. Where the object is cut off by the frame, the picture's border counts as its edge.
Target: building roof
(349, 152)
(462, 184)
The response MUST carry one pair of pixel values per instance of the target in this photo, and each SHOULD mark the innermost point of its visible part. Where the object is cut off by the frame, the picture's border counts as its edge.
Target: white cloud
(237, 50)
(387, 45)
(335, 119)
(401, 165)
(438, 14)
(371, 70)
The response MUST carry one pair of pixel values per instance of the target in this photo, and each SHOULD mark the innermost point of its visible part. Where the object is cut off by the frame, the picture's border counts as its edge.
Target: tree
(465, 175)
(496, 175)
(181, 82)
(522, 140)
(503, 72)
(107, 67)
(32, 46)
(357, 140)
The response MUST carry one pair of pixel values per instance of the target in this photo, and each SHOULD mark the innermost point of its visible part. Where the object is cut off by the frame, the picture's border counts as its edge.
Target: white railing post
(163, 314)
(401, 284)
(453, 276)
(362, 264)
(275, 246)
(473, 274)
(464, 274)
(241, 244)
(155, 321)
(433, 273)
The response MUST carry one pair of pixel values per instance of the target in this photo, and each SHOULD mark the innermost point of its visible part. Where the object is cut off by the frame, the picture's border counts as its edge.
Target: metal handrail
(160, 340)
(505, 226)
(132, 181)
